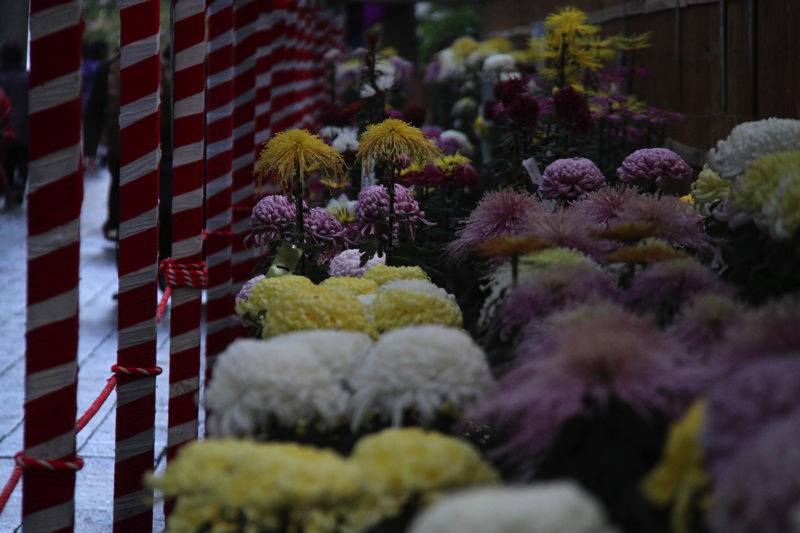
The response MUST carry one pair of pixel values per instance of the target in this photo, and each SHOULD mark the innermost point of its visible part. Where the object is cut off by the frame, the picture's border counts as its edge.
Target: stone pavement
(96, 354)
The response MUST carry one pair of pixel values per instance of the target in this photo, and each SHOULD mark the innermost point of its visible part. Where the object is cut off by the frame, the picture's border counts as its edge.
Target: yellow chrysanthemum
(220, 483)
(762, 179)
(265, 291)
(382, 274)
(397, 308)
(569, 21)
(315, 307)
(402, 463)
(463, 47)
(292, 154)
(554, 258)
(681, 478)
(393, 139)
(355, 286)
(709, 188)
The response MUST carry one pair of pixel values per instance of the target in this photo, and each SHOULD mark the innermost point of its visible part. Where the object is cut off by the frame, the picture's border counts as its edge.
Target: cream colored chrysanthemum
(294, 153)
(382, 274)
(355, 286)
(393, 140)
(397, 308)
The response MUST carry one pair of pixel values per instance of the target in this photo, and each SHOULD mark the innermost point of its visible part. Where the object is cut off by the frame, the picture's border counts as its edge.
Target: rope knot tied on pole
(136, 371)
(25, 462)
(180, 274)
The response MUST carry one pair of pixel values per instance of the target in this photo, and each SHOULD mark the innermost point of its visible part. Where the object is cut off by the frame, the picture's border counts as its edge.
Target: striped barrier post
(138, 262)
(184, 270)
(246, 16)
(219, 110)
(55, 193)
(267, 40)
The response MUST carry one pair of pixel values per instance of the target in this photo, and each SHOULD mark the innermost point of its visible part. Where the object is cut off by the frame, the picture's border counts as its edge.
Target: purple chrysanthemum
(348, 264)
(553, 290)
(749, 400)
(604, 204)
(244, 292)
(774, 329)
(272, 219)
(653, 165)
(322, 228)
(431, 131)
(372, 209)
(591, 358)
(706, 320)
(674, 221)
(499, 213)
(568, 228)
(759, 490)
(569, 179)
(663, 288)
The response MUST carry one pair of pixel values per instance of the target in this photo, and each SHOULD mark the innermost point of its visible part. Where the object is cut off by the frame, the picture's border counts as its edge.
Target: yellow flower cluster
(276, 487)
(387, 141)
(292, 154)
(681, 477)
(382, 274)
(264, 293)
(709, 188)
(400, 463)
(315, 307)
(224, 485)
(397, 308)
(355, 286)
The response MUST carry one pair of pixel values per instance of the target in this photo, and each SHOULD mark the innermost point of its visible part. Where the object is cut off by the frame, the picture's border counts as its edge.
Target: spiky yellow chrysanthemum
(393, 140)
(292, 154)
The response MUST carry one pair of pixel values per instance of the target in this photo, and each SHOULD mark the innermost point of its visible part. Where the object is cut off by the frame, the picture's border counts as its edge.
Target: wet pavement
(96, 354)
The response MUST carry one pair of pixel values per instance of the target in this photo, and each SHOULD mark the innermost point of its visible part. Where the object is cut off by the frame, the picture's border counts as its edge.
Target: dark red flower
(572, 110)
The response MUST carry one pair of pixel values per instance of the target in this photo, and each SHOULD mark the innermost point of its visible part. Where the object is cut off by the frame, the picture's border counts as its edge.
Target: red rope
(10, 485)
(162, 305)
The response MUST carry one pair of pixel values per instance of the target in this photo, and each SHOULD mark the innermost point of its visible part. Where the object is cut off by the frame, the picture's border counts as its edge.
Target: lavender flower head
(749, 400)
(652, 166)
(663, 288)
(593, 358)
(553, 290)
(499, 213)
(569, 179)
(244, 292)
(675, 221)
(760, 488)
(272, 219)
(706, 321)
(605, 204)
(322, 228)
(348, 264)
(568, 228)
(372, 208)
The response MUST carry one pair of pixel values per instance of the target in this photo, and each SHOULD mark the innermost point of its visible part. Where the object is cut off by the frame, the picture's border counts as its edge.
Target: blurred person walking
(14, 83)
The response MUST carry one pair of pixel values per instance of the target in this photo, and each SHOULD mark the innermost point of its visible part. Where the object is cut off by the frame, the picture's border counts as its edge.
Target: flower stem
(298, 223)
(514, 269)
(390, 191)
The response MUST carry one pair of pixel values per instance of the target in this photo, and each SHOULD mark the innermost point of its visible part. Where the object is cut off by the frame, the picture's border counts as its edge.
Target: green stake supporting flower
(389, 147)
(288, 157)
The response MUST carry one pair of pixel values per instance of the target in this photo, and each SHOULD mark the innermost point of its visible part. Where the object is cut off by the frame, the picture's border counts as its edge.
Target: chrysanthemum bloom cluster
(352, 285)
(751, 140)
(419, 371)
(674, 221)
(396, 308)
(549, 507)
(600, 354)
(272, 219)
(515, 104)
(499, 213)
(653, 166)
(572, 109)
(315, 308)
(382, 274)
(770, 193)
(322, 228)
(569, 179)
(406, 463)
(265, 291)
(448, 170)
(294, 381)
(287, 487)
(292, 154)
(372, 210)
(348, 263)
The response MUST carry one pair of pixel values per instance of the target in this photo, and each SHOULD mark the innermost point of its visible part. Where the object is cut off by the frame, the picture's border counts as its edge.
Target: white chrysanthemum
(751, 140)
(329, 132)
(450, 66)
(348, 263)
(499, 63)
(457, 137)
(554, 507)
(421, 367)
(346, 140)
(418, 285)
(290, 379)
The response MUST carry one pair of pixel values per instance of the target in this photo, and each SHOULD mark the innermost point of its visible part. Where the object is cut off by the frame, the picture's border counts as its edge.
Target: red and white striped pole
(55, 193)
(136, 369)
(267, 40)
(219, 124)
(189, 45)
(246, 15)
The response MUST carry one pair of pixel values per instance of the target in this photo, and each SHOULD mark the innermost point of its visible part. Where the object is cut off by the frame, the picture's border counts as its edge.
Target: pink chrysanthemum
(592, 357)
(569, 179)
(272, 219)
(653, 165)
(348, 264)
(372, 209)
(499, 213)
(706, 321)
(568, 228)
(674, 221)
(605, 204)
(322, 228)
